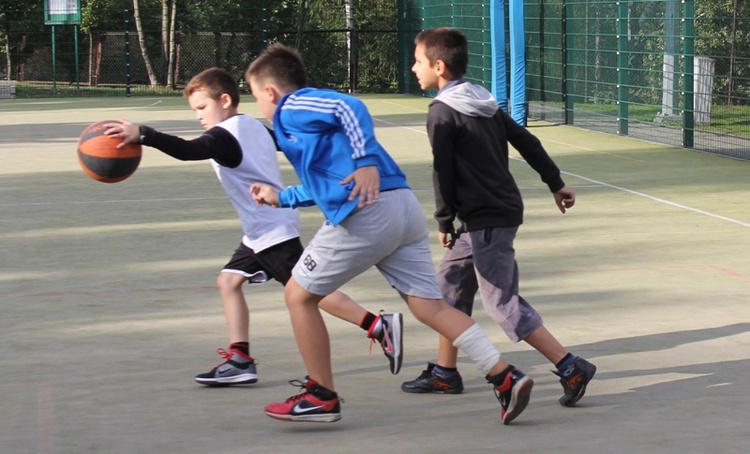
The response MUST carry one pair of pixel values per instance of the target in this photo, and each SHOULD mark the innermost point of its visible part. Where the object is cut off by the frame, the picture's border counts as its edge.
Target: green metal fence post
(264, 23)
(54, 64)
(78, 74)
(567, 84)
(688, 73)
(623, 81)
(127, 48)
(542, 72)
(401, 50)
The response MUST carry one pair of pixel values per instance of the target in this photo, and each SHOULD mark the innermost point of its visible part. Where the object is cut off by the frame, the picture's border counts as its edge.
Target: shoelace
(296, 397)
(227, 355)
(372, 341)
(500, 397)
(224, 353)
(501, 394)
(375, 340)
(303, 386)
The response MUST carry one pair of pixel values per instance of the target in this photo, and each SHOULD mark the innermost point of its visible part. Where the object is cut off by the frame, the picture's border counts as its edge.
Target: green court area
(109, 302)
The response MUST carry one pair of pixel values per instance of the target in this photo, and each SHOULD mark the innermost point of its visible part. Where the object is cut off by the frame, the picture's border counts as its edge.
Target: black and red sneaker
(574, 380)
(513, 389)
(431, 382)
(314, 404)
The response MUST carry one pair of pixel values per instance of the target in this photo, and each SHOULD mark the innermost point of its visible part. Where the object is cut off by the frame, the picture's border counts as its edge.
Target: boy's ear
(272, 92)
(440, 68)
(225, 100)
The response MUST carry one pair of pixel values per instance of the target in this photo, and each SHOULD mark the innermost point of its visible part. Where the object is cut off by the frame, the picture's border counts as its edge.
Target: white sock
(478, 347)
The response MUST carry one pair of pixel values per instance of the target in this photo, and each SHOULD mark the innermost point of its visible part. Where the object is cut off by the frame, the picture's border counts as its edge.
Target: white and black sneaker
(388, 330)
(238, 369)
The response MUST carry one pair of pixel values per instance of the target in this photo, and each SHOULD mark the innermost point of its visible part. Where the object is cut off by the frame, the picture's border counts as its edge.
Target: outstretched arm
(217, 143)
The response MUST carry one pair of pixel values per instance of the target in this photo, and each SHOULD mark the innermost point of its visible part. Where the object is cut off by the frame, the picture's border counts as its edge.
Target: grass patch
(732, 120)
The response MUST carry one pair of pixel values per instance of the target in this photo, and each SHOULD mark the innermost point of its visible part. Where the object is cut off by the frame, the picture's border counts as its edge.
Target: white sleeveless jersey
(263, 226)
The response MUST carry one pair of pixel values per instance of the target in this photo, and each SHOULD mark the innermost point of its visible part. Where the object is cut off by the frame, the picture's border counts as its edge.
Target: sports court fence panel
(350, 50)
(655, 70)
(669, 71)
(471, 16)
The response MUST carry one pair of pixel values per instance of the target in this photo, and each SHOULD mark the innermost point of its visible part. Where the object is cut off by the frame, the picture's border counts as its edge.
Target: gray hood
(469, 99)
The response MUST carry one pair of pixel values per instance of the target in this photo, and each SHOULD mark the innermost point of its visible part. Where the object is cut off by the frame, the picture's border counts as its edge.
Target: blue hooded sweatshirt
(326, 136)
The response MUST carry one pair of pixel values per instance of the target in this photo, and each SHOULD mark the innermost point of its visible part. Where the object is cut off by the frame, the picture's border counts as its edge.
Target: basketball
(101, 159)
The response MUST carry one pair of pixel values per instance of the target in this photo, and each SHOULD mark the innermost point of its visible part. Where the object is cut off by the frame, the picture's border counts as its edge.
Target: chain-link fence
(471, 16)
(139, 53)
(668, 71)
(657, 70)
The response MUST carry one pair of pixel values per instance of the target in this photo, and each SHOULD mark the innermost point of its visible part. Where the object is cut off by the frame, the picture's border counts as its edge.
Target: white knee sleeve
(478, 347)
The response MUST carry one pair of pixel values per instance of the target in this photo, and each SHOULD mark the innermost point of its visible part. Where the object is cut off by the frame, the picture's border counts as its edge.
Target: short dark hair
(281, 64)
(215, 82)
(447, 44)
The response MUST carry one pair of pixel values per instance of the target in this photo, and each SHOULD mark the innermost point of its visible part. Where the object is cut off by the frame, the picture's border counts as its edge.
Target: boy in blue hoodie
(469, 135)
(372, 219)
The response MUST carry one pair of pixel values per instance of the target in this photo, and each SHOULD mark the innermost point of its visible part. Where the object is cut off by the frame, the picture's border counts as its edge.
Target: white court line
(657, 199)
(611, 186)
(421, 131)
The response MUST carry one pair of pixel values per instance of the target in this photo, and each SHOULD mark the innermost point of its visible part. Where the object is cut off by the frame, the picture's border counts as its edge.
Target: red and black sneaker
(314, 404)
(513, 390)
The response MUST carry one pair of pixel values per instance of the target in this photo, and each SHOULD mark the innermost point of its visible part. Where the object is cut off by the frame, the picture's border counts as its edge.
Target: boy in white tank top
(243, 152)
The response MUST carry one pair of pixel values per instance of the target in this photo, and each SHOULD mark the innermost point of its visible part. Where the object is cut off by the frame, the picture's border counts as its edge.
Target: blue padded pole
(517, 62)
(499, 87)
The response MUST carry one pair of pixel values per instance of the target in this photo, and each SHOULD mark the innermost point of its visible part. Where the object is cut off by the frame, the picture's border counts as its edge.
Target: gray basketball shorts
(484, 260)
(391, 234)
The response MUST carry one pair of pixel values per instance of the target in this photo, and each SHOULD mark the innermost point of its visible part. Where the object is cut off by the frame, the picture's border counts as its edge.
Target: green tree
(107, 15)
(12, 13)
(723, 32)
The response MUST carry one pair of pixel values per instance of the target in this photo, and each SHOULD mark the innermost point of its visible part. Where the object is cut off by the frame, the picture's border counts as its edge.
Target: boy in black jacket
(469, 135)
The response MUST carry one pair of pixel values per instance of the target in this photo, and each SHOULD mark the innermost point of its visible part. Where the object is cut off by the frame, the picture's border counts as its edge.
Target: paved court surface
(109, 307)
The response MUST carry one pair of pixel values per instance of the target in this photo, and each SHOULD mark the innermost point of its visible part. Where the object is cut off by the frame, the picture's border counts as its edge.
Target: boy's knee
(424, 310)
(229, 281)
(295, 294)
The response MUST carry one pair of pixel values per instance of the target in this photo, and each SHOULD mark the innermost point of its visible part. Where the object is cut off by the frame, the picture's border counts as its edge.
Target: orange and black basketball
(100, 157)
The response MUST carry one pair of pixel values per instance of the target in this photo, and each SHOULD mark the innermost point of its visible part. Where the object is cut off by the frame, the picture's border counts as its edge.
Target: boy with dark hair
(469, 135)
(373, 219)
(243, 152)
